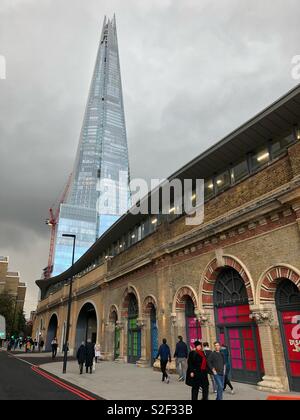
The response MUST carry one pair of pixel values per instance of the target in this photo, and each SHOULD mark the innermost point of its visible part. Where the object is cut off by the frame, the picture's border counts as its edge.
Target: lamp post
(69, 304)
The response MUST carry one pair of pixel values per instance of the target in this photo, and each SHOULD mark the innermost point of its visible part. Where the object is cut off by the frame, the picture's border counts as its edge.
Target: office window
(279, 146)
(223, 181)
(259, 159)
(209, 190)
(239, 171)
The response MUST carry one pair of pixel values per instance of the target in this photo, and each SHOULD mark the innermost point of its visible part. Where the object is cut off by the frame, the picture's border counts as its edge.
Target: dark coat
(90, 354)
(194, 366)
(181, 350)
(81, 355)
(164, 353)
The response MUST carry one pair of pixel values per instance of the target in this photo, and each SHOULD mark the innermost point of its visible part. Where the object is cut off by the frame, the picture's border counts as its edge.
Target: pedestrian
(81, 356)
(54, 346)
(41, 345)
(35, 345)
(164, 353)
(97, 352)
(225, 351)
(216, 364)
(207, 352)
(89, 356)
(197, 376)
(27, 346)
(181, 355)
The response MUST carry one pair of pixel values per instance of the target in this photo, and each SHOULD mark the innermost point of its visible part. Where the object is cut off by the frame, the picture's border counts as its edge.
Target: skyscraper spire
(102, 154)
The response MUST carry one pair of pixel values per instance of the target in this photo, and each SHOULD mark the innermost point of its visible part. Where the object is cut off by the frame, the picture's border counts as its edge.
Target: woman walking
(225, 352)
(197, 374)
(81, 356)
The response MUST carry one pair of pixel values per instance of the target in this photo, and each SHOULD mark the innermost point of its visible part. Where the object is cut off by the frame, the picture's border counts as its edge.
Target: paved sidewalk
(116, 381)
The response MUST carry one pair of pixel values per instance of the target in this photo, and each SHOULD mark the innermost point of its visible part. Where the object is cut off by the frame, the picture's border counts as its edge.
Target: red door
(291, 336)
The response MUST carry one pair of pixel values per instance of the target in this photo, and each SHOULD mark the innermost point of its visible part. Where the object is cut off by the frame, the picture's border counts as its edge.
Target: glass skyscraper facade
(102, 159)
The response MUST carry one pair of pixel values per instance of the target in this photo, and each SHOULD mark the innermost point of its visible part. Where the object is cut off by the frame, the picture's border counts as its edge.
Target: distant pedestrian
(216, 363)
(225, 351)
(41, 345)
(81, 356)
(97, 352)
(27, 346)
(207, 352)
(164, 353)
(89, 356)
(197, 376)
(181, 355)
(54, 346)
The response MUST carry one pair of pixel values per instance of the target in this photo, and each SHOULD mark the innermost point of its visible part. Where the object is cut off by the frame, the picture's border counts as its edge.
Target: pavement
(21, 380)
(123, 382)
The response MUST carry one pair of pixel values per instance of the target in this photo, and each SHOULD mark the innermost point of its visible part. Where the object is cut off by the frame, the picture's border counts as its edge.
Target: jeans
(163, 367)
(219, 380)
(181, 367)
(212, 378)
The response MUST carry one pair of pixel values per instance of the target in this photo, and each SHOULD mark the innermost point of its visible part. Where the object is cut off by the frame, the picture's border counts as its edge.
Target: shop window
(259, 159)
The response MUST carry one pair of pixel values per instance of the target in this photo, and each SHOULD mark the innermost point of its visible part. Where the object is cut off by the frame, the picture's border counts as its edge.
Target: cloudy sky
(193, 70)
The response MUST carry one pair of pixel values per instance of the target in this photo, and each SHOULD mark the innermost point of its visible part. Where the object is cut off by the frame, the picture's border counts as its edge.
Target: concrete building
(10, 283)
(235, 278)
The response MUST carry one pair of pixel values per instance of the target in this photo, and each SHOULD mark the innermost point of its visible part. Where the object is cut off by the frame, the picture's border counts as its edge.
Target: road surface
(22, 380)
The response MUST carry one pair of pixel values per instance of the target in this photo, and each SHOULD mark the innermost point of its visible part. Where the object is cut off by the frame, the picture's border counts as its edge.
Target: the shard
(102, 156)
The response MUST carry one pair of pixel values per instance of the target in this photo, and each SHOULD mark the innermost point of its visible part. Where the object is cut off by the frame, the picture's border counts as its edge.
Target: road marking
(56, 381)
(61, 384)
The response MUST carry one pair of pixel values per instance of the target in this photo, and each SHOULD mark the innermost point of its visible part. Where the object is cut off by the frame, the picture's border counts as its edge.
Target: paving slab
(120, 381)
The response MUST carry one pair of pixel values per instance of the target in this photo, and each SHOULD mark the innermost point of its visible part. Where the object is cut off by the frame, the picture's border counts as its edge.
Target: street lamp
(69, 304)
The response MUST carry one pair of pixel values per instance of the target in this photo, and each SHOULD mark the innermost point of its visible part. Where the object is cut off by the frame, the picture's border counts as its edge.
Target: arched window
(287, 294)
(230, 289)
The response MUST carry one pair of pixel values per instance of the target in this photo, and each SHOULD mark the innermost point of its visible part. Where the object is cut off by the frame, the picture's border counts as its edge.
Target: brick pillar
(123, 342)
(144, 326)
(271, 381)
(208, 329)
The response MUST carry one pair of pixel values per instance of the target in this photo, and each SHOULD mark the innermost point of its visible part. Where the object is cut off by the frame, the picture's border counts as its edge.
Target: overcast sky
(192, 70)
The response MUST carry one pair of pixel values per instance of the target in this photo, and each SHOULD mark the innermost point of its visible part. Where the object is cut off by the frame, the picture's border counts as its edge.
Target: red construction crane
(52, 222)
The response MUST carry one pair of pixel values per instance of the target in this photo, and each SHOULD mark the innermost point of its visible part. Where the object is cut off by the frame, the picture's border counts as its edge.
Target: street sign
(2, 328)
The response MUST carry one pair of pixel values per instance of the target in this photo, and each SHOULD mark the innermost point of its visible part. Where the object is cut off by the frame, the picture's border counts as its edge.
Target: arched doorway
(288, 308)
(192, 324)
(52, 332)
(134, 331)
(87, 325)
(235, 328)
(154, 333)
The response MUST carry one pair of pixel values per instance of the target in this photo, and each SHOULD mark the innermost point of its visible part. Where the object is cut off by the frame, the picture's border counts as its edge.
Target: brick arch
(130, 290)
(113, 309)
(149, 302)
(180, 298)
(211, 274)
(269, 281)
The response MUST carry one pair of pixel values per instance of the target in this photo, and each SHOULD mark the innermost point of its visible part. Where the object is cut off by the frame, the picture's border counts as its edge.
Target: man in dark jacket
(164, 353)
(81, 356)
(89, 356)
(216, 363)
(197, 376)
(181, 355)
